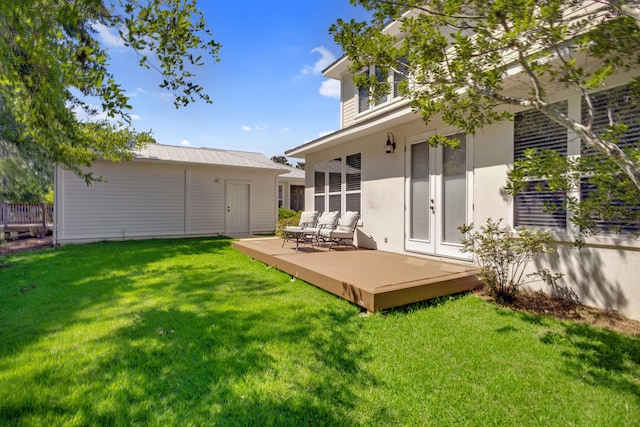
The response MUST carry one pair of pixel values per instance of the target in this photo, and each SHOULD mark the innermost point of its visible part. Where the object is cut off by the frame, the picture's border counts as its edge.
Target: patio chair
(308, 220)
(327, 221)
(343, 232)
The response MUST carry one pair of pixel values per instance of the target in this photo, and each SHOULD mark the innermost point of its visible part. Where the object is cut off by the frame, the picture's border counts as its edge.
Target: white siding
(206, 202)
(136, 200)
(142, 199)
(348, 98)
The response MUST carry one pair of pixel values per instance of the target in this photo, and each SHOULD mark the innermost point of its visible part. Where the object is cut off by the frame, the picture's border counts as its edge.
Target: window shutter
(534, 208)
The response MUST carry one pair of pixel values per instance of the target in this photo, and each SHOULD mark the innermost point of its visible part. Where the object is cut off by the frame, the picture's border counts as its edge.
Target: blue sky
(268, 91)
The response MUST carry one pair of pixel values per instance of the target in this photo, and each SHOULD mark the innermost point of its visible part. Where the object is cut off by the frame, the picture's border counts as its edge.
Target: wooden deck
(374, 280)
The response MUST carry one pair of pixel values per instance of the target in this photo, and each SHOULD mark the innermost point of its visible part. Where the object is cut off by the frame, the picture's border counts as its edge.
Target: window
(319, 190)
(532, 129)
(614, 105)
(365, 103)
(353, 180)
(538, 207)
(280, 195)
(340, 180)
(296, 198)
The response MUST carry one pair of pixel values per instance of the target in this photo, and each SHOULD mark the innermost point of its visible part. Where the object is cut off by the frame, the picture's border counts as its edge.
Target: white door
(238, 202)
(439, 196)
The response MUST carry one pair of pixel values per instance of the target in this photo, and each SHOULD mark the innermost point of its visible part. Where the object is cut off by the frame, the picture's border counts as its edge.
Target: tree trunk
(615, 153)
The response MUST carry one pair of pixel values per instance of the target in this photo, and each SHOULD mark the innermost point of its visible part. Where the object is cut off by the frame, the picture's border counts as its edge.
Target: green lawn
(192, 332)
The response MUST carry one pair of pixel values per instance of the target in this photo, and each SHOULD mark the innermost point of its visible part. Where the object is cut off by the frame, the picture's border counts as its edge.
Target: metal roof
(294, 173)
(207, 156)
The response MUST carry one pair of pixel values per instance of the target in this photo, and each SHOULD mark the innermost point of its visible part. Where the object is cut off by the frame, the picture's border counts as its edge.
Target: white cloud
(330, 88)
(185, 143)
(143, 91)
(109, 36)
(326, 59)
(256, 128)
(285, 130)
(135, 117)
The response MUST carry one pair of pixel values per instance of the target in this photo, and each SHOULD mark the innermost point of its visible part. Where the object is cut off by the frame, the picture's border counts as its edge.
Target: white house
(169, 191)
(412, 197)
(291, 189)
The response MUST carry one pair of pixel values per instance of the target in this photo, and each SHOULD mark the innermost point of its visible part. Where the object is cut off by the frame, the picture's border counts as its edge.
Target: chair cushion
(348, 221)
(329, 218)
(308, 219)
(335, 234)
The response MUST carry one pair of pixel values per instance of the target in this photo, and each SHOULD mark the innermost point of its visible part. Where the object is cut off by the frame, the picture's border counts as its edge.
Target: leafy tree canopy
(51, 59)
(280, 160)
(457, 56)
(23, 179)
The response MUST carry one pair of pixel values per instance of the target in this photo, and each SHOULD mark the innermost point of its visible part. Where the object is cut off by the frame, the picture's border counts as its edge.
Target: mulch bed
(25, 244)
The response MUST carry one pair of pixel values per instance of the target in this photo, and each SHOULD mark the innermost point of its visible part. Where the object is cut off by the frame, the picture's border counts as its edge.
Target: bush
(289, 220)
(287, 213)
(503, 256)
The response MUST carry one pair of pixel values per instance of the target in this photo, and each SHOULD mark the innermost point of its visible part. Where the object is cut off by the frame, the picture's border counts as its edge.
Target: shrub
(287, 213)
(503, 256)
(284, 221)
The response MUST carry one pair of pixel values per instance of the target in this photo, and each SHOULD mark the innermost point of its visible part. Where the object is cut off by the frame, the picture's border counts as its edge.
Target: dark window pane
(334, 202)
(402, 74)
(318, 177)
(363, 97)
(318, 202)
(540, 208)
(622, 216)
(353, 202)
(296, 198)
(335, 175)
(532, 129)
(380, 78)
(353, 172)
(614, 106)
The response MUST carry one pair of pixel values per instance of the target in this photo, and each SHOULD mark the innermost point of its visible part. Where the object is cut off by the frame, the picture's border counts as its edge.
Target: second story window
(367, 101)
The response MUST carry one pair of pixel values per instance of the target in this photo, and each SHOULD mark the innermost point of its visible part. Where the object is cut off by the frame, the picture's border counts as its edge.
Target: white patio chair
(308, 220)
(343, 232)
(327, 221)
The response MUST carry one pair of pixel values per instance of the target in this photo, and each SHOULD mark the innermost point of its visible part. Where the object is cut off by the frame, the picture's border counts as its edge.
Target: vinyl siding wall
(348, 104)
(145, 199)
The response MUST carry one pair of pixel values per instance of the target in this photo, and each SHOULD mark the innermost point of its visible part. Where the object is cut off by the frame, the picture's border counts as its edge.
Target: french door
(438, 194)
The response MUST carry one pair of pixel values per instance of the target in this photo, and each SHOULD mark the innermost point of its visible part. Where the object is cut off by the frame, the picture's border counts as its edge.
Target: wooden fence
(25, 214)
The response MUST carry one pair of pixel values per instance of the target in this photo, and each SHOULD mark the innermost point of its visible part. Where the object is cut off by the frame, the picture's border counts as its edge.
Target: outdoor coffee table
(299, 235)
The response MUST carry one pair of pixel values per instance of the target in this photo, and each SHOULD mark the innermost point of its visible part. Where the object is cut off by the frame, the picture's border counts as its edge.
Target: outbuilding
(169, 191)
